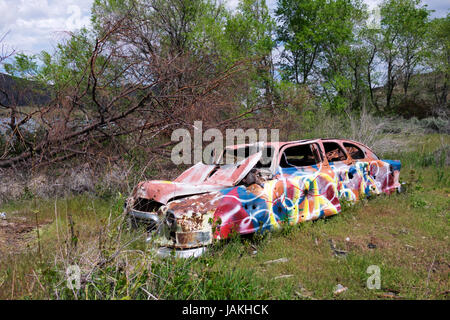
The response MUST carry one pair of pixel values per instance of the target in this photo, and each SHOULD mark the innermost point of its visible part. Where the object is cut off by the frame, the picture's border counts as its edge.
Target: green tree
(438, 57)
(344, 56)
(317, 37)
(369, 38)
(301, 33)
(62, 68)
(250, 31)
(403, 28)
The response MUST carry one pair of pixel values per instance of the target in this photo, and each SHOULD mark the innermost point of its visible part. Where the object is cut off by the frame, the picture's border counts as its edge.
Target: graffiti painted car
(263, 187)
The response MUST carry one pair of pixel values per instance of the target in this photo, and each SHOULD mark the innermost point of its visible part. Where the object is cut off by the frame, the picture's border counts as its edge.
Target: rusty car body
(298, 181)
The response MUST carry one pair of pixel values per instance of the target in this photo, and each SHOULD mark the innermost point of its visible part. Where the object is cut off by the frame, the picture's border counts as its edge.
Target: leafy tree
(403, 27)
(23, 66)
(61, 69)
(317, 37)
(301, 33)
(250, 31)
(438, 57)
(369, 38)
(344, 56)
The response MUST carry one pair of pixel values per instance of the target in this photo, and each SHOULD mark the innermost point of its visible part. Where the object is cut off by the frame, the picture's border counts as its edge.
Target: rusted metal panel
(163, 191)
(193, 239)
(230, 175)
(196, 174)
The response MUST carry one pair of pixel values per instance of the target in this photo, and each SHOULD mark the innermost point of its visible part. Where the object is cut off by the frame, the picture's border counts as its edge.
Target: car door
(302, 189)
(347, 179)
(376, 175)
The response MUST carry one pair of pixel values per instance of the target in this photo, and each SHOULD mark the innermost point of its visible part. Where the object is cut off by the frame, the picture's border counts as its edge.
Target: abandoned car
(268, 185)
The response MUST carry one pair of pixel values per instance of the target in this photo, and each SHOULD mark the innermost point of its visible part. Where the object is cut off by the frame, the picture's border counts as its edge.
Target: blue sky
(35, 25)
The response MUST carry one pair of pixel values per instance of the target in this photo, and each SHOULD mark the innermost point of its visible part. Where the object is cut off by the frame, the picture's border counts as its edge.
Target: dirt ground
(17, 234)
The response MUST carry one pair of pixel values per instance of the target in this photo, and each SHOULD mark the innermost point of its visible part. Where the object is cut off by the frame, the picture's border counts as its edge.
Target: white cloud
(231, 4)
(36, 25)
(441, 8)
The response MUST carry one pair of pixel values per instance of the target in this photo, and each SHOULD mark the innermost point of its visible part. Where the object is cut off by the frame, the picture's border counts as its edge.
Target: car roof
(280, 144)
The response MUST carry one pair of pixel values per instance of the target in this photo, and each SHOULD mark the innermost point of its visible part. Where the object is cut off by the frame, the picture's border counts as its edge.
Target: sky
(36, 25)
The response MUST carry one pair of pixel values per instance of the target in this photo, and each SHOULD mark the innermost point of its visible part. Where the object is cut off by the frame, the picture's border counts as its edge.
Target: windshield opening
(234, 156)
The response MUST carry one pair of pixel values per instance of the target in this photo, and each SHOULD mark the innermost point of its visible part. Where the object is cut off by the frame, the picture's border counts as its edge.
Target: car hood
(200, 178)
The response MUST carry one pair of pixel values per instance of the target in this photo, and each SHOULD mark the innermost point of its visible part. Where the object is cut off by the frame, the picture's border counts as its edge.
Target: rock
(281, 260)
(39, 185)
(115, 176)
(10, 189)
(404, 231)
(81, 180)
(371, 245)
(305, 294)
(390, 295)
(283, 276)
(339, 289)
(337, 252)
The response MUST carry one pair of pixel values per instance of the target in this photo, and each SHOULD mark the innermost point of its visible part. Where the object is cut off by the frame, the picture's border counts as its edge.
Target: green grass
(410, 232)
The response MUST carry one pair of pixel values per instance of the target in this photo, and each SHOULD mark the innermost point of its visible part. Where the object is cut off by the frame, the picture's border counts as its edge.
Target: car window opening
(239, 154)
(355, 152)
(334, 152)
(299, 156)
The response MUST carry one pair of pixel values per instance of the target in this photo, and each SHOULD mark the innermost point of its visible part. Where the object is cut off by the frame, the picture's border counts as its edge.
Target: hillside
(428, 95)
(21, 92)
